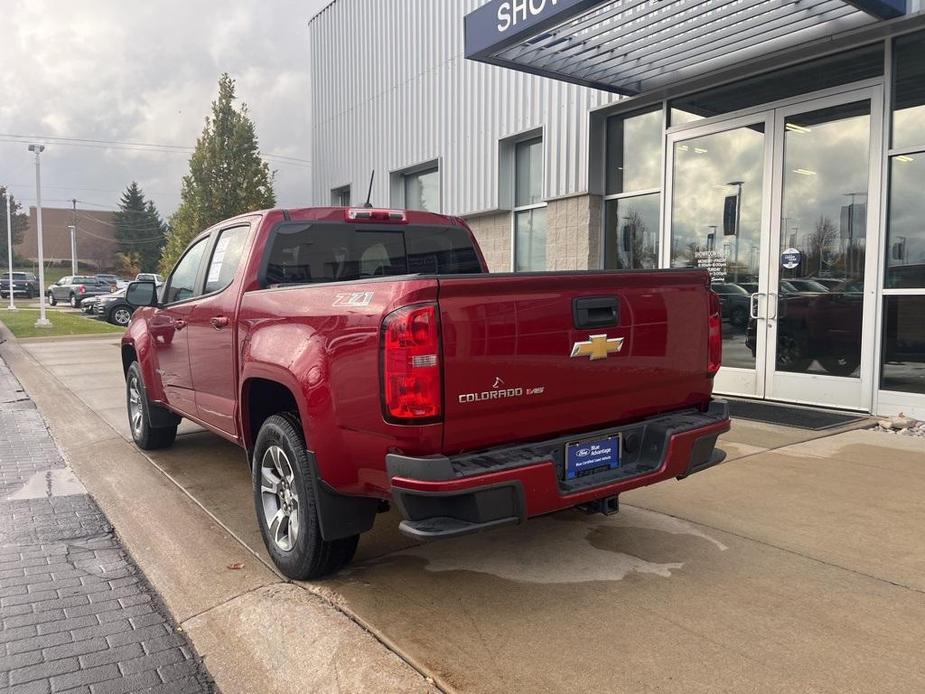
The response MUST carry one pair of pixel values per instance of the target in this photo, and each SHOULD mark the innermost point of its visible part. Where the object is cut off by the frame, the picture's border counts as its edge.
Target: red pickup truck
(366, 356)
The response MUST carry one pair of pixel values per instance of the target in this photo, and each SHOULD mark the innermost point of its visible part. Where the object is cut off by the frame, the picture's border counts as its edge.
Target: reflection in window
(422, 190)
(830, 71)
(530, 240)
(909, 91)
(716, 224)
(904, 344)
(631, 233)
(634, 152)
(906, 236)
(528, 173)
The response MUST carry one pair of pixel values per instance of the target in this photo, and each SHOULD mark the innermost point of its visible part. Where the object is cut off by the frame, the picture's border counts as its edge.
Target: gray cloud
(147, 72)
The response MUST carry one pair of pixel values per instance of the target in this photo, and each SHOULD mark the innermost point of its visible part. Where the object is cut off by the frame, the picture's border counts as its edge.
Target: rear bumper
(443, 496)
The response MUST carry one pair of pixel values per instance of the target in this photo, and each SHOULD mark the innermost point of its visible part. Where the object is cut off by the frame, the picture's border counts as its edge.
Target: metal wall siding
(390, 88)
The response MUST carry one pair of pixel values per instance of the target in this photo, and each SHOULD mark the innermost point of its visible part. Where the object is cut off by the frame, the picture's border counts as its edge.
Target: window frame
(397, 183)
(211, 254)
(208, 239)
(516, 209)
(338, 191)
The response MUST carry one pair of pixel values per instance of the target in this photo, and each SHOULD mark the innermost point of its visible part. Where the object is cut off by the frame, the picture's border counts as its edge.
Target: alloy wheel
(136, 412)
(121, 316)
(279, 498)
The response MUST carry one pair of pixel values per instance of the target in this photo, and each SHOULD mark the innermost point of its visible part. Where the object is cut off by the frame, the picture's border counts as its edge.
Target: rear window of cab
(325, 252)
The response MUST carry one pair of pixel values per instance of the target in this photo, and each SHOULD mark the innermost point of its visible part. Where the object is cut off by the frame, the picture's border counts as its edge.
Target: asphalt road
(796, 566)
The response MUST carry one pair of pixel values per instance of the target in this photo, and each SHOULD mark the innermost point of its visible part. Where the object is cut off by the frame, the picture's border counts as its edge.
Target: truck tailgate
(509, 373)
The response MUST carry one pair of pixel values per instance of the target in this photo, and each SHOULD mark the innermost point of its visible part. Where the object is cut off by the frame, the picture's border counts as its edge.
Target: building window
(909, 91)
(811, 76)
(903, 346)
(529, 207)
(633, 190)
(422, 189)
(340, 197)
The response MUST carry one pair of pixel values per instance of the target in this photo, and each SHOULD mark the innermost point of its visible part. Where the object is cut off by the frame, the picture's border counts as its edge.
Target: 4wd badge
(597, 347)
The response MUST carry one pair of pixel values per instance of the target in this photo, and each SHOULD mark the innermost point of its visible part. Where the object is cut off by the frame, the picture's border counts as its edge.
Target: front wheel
(120, 315)
(146, 436)
(840, 366)
(51, 299)
(286, 506)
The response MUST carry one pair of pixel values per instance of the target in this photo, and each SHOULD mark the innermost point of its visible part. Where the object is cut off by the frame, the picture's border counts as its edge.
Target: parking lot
(796, 566)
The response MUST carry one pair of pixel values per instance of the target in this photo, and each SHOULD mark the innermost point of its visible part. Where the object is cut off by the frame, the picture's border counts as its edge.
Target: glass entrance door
(822, 269)
(717, 218)
(777, 207)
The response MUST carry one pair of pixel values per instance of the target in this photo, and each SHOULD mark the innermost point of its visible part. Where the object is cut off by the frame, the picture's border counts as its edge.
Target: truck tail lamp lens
(82, 289)
(715, 339)
(413, 390)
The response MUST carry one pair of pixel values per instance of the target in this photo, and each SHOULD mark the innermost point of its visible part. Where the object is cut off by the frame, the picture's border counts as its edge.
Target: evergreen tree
(140, 230)
(226, 175)
(20, 222)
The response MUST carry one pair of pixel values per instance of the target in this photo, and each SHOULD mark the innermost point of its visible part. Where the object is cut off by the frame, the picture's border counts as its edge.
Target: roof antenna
(368, 205)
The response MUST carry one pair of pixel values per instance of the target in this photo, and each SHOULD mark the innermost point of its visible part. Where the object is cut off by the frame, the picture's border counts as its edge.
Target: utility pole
(73, 230)
(42, 322)
(9, 247)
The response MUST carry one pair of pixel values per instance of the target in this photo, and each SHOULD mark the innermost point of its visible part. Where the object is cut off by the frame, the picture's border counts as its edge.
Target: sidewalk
(77, 614)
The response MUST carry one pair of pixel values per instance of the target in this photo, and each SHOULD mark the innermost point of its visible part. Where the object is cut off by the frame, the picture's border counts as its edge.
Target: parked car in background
(149, 277)
(73, 289)
(114, 281)
(24, 284)
(113, 308)
(362, 356)
(735, 302)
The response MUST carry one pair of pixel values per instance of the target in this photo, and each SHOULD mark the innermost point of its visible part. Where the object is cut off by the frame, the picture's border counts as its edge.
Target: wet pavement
(796, 566)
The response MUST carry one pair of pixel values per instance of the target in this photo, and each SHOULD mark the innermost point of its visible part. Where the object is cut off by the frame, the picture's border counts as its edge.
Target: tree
(140, 230)
(227, 176)
(20, 222)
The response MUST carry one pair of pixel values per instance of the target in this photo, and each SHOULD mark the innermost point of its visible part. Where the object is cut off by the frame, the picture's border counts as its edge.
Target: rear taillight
(411, 364)
(715, 339)
(82, 289)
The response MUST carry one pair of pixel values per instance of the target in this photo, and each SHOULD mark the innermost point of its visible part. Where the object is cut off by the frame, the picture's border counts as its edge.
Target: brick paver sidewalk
(77, 614)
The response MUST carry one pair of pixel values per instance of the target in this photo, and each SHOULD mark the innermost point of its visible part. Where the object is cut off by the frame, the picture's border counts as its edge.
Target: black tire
(74, 301)
(840, 366)
(739, 317)
(51, 299)
(145, 436)
(120, 315)
(791, 354)
(304, 554)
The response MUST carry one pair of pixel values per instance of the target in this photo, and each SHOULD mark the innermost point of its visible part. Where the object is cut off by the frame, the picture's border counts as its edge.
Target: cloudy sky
(147, 72)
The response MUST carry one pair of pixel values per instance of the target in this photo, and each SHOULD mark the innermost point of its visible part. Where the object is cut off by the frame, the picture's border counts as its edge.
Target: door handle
(753, 305)
(179, 324)
(219, 322)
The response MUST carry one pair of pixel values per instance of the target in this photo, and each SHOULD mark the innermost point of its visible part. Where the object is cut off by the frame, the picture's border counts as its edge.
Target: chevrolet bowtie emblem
(598, 347)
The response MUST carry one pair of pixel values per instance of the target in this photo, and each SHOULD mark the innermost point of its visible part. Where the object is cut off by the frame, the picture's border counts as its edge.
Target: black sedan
(109, 307)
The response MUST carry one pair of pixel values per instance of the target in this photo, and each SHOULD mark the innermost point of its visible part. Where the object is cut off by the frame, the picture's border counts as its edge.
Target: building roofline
(321, 11)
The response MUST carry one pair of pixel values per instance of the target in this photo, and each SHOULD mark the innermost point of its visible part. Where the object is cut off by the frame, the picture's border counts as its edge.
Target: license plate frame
(587, 456)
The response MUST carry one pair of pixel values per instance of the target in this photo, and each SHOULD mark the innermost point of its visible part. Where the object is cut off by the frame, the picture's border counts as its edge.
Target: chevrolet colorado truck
(365, 356)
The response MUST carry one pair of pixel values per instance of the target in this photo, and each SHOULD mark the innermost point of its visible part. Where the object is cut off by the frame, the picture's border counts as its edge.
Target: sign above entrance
(635, 46)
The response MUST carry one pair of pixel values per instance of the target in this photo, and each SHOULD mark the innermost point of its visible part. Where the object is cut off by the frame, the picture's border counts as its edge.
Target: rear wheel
(74, 301)
(286, 506)
(146, 436)
(840, 366)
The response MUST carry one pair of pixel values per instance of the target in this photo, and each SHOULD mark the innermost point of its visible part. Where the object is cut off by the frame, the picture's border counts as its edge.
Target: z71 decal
(355, 300)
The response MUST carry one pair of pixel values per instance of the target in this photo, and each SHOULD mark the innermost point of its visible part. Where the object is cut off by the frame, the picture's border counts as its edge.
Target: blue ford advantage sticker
(584, 457)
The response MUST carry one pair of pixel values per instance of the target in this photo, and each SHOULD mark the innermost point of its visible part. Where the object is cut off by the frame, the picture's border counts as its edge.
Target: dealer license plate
(594, 455)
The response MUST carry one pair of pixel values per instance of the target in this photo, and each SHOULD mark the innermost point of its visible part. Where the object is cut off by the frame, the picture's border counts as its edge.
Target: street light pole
(73, 231)
(9, 248)
(42, 322)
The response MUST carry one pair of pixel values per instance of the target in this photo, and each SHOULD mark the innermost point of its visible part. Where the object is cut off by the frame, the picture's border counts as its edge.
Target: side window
(182, 283)
(225, 258)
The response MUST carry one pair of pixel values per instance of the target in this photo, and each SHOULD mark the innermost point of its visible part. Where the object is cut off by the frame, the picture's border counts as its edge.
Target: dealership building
(778, 144)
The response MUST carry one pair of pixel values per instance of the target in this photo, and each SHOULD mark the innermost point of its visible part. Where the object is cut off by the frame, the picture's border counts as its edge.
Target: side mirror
(141, 294)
